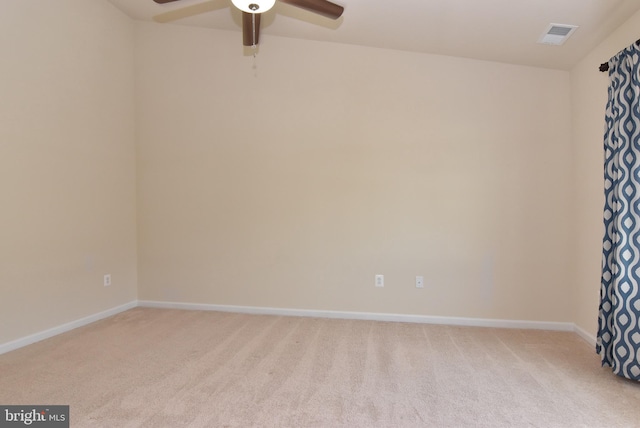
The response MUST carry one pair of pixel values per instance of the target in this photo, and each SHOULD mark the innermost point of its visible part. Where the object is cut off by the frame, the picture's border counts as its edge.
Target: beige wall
(480, 176)
(67, 163)
(293, 183)
(588, 101)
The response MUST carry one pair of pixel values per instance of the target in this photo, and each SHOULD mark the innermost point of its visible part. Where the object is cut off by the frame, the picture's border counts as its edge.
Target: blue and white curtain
(618, 341)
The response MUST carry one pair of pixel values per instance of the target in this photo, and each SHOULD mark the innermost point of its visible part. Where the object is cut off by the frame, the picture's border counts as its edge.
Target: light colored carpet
(173, 368)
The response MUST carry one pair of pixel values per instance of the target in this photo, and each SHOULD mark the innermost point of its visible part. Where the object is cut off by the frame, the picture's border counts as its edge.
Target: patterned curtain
(618, 341)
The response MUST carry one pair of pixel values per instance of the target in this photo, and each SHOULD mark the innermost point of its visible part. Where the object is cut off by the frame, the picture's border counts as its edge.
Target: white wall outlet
(107, 280)
(379, 280)
(419, 281)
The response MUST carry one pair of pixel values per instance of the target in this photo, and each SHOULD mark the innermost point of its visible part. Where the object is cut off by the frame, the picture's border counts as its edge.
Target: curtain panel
(618, 340)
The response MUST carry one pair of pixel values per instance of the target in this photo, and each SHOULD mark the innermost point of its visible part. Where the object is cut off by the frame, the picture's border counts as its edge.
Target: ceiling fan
(251, 10)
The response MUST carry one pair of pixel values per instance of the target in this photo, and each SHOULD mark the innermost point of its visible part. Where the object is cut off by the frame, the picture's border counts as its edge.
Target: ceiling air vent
(557, 34)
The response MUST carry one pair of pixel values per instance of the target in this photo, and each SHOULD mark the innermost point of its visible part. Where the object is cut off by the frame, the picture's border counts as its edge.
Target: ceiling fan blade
(321, 7)
(164, 1)
(250, 29)
(186, 12)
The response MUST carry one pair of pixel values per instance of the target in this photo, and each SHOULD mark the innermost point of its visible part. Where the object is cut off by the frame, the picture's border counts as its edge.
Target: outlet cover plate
(379, 280)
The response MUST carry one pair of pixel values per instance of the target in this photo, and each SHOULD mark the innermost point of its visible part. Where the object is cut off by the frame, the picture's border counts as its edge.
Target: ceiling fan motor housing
(253, 6)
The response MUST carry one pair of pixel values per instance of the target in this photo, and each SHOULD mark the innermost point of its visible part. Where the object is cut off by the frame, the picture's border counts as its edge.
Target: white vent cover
(557, 34)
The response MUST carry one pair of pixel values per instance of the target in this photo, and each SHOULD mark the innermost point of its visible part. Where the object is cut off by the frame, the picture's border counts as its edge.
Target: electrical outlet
(419, 281)
(379, 280)
(107, 280)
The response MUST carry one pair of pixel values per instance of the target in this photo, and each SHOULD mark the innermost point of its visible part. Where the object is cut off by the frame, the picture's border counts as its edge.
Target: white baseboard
(591, 340)
(469, 322)
(28, 340)
(369, 316)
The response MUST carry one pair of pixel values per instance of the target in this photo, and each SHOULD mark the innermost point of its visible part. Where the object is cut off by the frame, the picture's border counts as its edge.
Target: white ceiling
(494, 30)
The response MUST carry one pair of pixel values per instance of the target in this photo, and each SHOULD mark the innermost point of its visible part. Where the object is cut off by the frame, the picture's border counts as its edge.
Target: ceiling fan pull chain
(255, 65)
